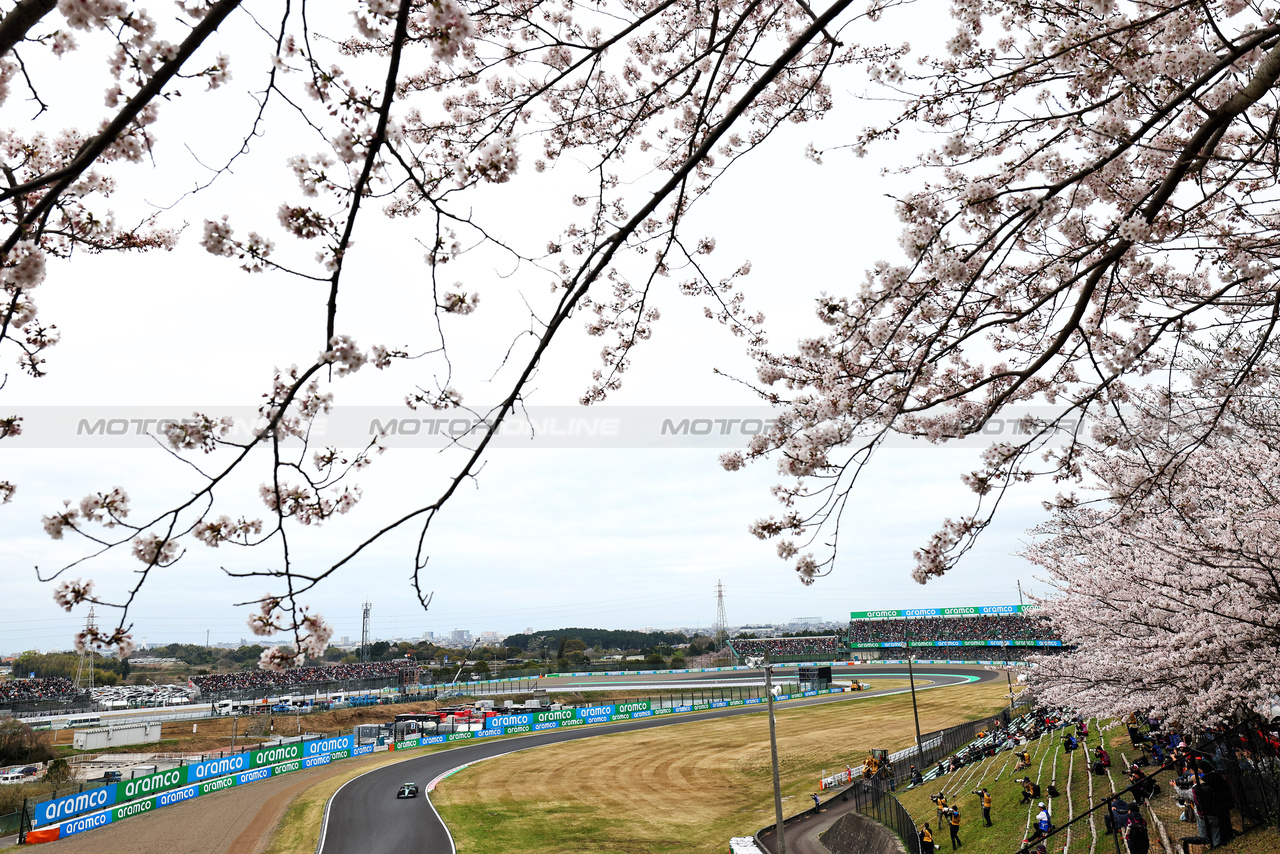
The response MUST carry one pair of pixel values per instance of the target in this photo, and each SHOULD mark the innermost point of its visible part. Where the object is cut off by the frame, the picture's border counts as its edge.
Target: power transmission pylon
(84, 670)
(364, 633)
(720, 631)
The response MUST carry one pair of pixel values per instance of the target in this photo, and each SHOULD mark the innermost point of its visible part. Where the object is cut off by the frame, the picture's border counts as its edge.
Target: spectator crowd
(827, 645)
(22, 690)
(985, 627)
(246, 680)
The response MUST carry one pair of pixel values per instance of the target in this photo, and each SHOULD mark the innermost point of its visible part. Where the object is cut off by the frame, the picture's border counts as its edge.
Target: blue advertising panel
(94, 799)
(80, 825)
(325, 746)
(218, 767)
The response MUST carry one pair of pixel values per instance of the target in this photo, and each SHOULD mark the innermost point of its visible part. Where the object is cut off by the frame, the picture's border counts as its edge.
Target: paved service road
(364, 816)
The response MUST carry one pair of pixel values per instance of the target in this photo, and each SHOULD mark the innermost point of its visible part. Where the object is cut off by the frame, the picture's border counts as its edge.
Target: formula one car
(408, 790)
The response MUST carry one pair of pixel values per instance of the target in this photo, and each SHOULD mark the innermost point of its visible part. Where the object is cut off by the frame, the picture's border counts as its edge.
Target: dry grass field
(687, 788)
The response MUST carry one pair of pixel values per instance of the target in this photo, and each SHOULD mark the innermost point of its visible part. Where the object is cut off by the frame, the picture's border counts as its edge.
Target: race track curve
(364, 816)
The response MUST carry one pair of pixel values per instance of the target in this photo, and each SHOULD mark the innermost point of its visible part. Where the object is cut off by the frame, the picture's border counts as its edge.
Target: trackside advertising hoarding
(185, 793)
(228, 767)
(964, 611)
(87, 810)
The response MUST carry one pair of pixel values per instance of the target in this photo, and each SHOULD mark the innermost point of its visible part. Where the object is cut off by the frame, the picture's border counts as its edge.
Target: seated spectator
(827, 647)
(993, 627)
(48, 688)
(1116, 817)
(252, 679)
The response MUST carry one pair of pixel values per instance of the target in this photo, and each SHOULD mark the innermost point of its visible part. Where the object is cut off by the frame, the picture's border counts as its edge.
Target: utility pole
(915, 710)
(773, 755)
(1020, 594)
(1009, 679)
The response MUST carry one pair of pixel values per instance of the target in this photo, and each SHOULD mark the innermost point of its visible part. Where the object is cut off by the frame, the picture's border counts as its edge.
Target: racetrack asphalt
(365, 817)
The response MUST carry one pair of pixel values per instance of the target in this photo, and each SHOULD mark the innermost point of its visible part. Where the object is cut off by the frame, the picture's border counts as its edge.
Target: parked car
(408, 790)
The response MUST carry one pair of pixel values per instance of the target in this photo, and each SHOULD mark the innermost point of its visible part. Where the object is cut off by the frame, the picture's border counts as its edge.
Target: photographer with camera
(953, 816)
(986, 804)
(940, 801)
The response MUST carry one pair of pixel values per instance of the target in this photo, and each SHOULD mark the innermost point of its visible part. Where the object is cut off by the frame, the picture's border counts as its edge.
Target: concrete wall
(854, 833)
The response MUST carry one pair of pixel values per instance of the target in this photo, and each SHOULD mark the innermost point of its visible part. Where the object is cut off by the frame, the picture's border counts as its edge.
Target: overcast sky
(605, 535)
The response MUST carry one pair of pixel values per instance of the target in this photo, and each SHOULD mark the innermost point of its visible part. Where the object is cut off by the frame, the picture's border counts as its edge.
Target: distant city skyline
(493, 637)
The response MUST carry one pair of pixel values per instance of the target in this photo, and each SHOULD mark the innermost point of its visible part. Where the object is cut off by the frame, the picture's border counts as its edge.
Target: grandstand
(1006, 626)
(42, 693)
(250, 680)
(824, 648)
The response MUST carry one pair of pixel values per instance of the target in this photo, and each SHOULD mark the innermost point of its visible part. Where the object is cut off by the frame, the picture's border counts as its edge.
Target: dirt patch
(233, 821)
(681, 789)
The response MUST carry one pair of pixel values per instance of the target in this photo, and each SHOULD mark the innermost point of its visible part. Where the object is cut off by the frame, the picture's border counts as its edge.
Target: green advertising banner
(277, 770)
(135, 808)
(279, 753)
(959, 611)
(152, 784)
(633, 706)
(217, 783)
(556, 715)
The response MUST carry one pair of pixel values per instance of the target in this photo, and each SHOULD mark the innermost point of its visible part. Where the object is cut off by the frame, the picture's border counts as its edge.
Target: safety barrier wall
(92, 808)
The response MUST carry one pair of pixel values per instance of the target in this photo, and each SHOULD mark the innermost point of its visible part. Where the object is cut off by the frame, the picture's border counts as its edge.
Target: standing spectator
(1219, 803)
(816, 801)
(926, 839)
(1136, 838)
(954, 815)
(1206, 811)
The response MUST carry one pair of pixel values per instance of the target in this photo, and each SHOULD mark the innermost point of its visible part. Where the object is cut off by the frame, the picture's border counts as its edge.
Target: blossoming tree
(1096, 217)
(1171, 595)
(1096, 213)
(413, 107)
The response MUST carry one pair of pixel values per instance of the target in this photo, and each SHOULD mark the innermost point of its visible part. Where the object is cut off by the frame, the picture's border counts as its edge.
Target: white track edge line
(324, 824)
